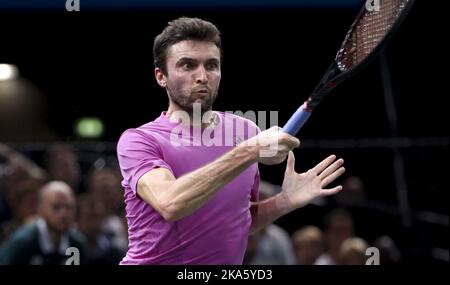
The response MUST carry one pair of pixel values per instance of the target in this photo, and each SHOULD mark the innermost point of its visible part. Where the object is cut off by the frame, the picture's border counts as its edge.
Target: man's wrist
(249, 150)
(284, 204)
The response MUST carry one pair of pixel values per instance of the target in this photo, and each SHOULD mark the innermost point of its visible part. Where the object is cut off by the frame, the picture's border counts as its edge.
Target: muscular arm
(176, 198)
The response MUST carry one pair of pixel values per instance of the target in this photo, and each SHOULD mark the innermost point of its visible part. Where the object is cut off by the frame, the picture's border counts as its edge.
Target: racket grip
(297, 120)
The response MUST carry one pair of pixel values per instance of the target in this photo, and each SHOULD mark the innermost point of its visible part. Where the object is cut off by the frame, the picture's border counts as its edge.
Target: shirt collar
(46, 243)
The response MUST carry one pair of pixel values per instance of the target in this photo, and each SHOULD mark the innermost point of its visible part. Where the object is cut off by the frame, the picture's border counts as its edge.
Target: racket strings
(368, 32)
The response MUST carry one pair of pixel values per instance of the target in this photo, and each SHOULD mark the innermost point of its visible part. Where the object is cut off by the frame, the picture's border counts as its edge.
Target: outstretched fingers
(332, 168)
(333, 176)
(323, 164)
(332, 191)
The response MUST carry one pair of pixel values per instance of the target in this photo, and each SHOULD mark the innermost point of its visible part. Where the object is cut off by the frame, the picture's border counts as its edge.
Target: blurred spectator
(309, 244)
(104, 185)
(353, 251)
(23, 201)
(353, 193)
(62, 164)
(46, 240)
(15, 169)
(100, 250)
(338, 227)
(271, 245)
(389, 252)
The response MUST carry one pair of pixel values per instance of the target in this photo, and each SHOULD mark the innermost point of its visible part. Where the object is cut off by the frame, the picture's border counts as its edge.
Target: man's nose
(201, 77)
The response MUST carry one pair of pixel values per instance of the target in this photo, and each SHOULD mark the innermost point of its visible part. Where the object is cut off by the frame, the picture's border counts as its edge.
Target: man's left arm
(267, 211)
(298, 190)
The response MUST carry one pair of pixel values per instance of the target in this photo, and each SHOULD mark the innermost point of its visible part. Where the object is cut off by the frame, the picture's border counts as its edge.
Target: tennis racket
(370, 32)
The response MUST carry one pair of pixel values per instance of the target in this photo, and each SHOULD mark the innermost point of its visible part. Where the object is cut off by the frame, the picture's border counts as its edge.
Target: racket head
(369, 33)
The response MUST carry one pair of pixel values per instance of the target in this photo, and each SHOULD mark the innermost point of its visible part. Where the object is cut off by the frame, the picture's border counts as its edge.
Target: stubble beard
(186, 102)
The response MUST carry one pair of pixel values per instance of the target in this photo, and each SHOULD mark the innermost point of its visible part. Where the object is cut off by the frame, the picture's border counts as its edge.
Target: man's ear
(160, 77)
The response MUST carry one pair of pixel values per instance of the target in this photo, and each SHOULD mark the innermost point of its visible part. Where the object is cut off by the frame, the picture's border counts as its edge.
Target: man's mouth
(201, 93)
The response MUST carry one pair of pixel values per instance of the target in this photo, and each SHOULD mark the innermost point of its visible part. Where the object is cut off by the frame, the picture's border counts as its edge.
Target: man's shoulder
(25, 236)
(145, 132)
(19, 246)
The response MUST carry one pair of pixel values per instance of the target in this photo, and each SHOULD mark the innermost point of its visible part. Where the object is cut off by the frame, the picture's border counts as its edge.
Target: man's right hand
(272, 146)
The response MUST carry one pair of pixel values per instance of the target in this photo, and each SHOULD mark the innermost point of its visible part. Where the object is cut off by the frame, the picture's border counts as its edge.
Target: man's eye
(188, 65)
(212, 66)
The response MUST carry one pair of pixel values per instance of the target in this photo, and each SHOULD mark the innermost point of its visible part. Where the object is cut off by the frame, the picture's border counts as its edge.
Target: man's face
(58, 209)
(105, 186)
(90, 219)
(340, 229)
(308, 251)
(64, 166)
(193, 74)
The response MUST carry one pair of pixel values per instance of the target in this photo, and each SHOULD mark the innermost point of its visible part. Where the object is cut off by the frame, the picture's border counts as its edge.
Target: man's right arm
(176, 198)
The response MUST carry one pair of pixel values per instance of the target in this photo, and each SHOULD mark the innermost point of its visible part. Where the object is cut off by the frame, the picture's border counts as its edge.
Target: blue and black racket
(374, 26)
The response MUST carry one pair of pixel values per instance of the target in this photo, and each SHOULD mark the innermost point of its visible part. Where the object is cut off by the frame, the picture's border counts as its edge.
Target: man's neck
(55, 238)
(203, 119)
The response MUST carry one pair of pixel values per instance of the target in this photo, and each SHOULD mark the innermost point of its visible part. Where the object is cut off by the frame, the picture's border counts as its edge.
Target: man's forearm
(267, 211)
(191, 191)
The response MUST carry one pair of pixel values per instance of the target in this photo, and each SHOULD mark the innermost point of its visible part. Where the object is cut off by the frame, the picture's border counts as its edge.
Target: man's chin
(193, 106)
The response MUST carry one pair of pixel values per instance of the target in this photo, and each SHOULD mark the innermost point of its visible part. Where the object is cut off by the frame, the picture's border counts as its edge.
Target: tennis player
(191, 195)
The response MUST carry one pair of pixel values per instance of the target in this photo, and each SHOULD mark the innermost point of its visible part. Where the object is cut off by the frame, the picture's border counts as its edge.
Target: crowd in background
(55, 204)
(46, 209)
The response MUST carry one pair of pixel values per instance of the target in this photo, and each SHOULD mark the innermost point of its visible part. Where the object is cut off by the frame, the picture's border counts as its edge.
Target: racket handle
(297, 120)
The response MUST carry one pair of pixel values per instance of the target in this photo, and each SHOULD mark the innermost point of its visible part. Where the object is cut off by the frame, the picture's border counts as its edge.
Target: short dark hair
(182, 29)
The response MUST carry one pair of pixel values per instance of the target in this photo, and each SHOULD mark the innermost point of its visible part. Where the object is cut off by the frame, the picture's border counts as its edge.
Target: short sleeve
(138, 153)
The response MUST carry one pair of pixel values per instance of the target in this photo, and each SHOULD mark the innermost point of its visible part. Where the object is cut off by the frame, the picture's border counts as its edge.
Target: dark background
(99, 63)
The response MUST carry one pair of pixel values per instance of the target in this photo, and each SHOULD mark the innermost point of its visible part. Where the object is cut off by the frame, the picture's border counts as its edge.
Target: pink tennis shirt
(217, 232)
